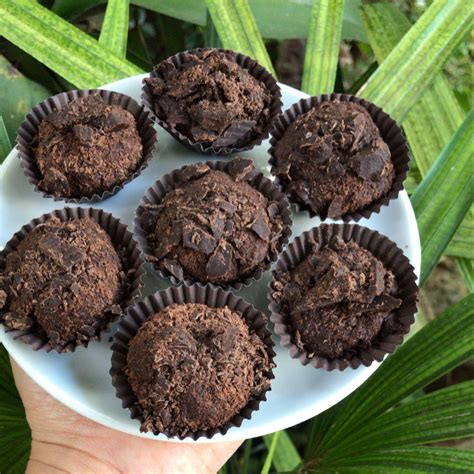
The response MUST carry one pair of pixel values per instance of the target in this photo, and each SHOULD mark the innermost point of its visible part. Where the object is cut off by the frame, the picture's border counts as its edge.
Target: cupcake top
(210, 99)
(87, 148)
(332, 160)
(61, 281)
(214, 226)
(193, 368)
(337, 300)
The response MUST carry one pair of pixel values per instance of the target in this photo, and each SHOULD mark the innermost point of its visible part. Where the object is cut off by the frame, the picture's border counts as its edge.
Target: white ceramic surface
(81, 380)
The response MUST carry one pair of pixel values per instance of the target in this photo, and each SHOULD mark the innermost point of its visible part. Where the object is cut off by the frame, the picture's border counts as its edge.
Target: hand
(64, 441)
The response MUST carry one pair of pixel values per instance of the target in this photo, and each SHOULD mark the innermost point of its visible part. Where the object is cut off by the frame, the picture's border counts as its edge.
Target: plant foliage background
(411, 57)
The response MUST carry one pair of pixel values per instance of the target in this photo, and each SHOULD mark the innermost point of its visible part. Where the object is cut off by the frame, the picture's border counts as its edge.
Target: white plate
(81, 380)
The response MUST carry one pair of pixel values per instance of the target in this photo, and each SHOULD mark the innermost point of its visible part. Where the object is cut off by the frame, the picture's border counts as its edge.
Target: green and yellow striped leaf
(114, 31)
(322, 48)
(237, 29)
(72, 54)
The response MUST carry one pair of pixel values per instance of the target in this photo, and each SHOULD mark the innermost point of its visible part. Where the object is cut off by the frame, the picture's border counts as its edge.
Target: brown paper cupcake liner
(155, 194)
(391, 133)
(123, 242)
(391, 257)
(27, 138)
(257, 71)
(141, 311)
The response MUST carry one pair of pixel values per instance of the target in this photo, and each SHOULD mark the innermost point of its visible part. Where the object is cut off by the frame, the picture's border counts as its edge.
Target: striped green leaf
(444, 196)
(414, 365)
(411, 460)
(272, 444)
(5, 145)
(237, 29)
(412, 65)
(72, 54)
(462, 244)
(322, 48)
(285, 456)
(440, 416)
(466, 267)
(114, 31)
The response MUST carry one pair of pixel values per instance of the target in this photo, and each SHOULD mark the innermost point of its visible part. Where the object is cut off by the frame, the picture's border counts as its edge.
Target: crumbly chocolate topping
(63, 281)
(214, 226)
(337, 300)
(193, 368)
(211, 99)
(333, 160)
(87, 148)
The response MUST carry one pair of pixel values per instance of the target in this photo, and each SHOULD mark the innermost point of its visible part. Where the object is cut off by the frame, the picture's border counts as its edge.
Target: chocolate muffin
(87, 148)
(210, 99)
(64, 281)
(194, 368)
(214, 226)
(332, 160)
(337, 300)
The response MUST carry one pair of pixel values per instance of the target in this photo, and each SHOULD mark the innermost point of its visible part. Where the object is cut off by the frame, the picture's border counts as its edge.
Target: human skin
(63, 441)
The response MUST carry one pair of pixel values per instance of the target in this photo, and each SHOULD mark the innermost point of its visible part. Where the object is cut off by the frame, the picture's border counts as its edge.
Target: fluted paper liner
(392, 258)
(389, 130)
(168, 182)
(210, 296)
(127, 249)
(254, 69)
(27, 138)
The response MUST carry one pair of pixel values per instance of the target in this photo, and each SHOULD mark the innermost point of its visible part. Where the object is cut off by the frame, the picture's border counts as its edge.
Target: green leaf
(322, 48)
(414, 365)
(237, 29)
(114, 32)
(407, 460)
(65, 49)
(440, 416)
(410, 67)
(444, 196)
(285, 455)
(272, 444)
(277, 19)
(462, 244)
(5, 145)
(15, 433)
(466, 267)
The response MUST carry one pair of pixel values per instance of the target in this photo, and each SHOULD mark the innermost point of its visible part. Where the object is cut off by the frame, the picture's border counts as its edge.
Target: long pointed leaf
(410, 67)
(237, 29)
(285, 457)
(322, 48)
(72, 54)
(114, 31)
(407, 460)
(466, 267)
(448, 340)
(271, 451)
(5, 145)
(444, 196)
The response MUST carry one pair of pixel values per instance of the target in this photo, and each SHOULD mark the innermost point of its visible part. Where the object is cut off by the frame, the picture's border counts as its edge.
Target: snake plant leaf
(14, 430)
(466, 267)
(440, 416)
(237, 29)
(285, 456)
(5, 144)
(72, 54)
(462, 243)
(322, 47)
(413, 366)
(114, 31)
(412, 65)
(444, 196)
(411, 460)
(276, 19)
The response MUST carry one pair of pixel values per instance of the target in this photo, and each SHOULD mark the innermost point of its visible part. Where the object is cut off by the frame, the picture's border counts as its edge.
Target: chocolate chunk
(261, 228)
(219, 263)
(84, 134)
(241, 168)
(148, 221)
(333, 161)
(174, 268)
(197, 239)
(236, 133)
(194, 368)
(193, 171)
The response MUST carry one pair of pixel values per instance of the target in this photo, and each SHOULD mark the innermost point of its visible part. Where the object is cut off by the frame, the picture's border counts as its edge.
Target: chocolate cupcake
(192, 361)
(215, 222)
(336, 300)
(85, 145)
(215, 101)
(62, 281)
(338, 156)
